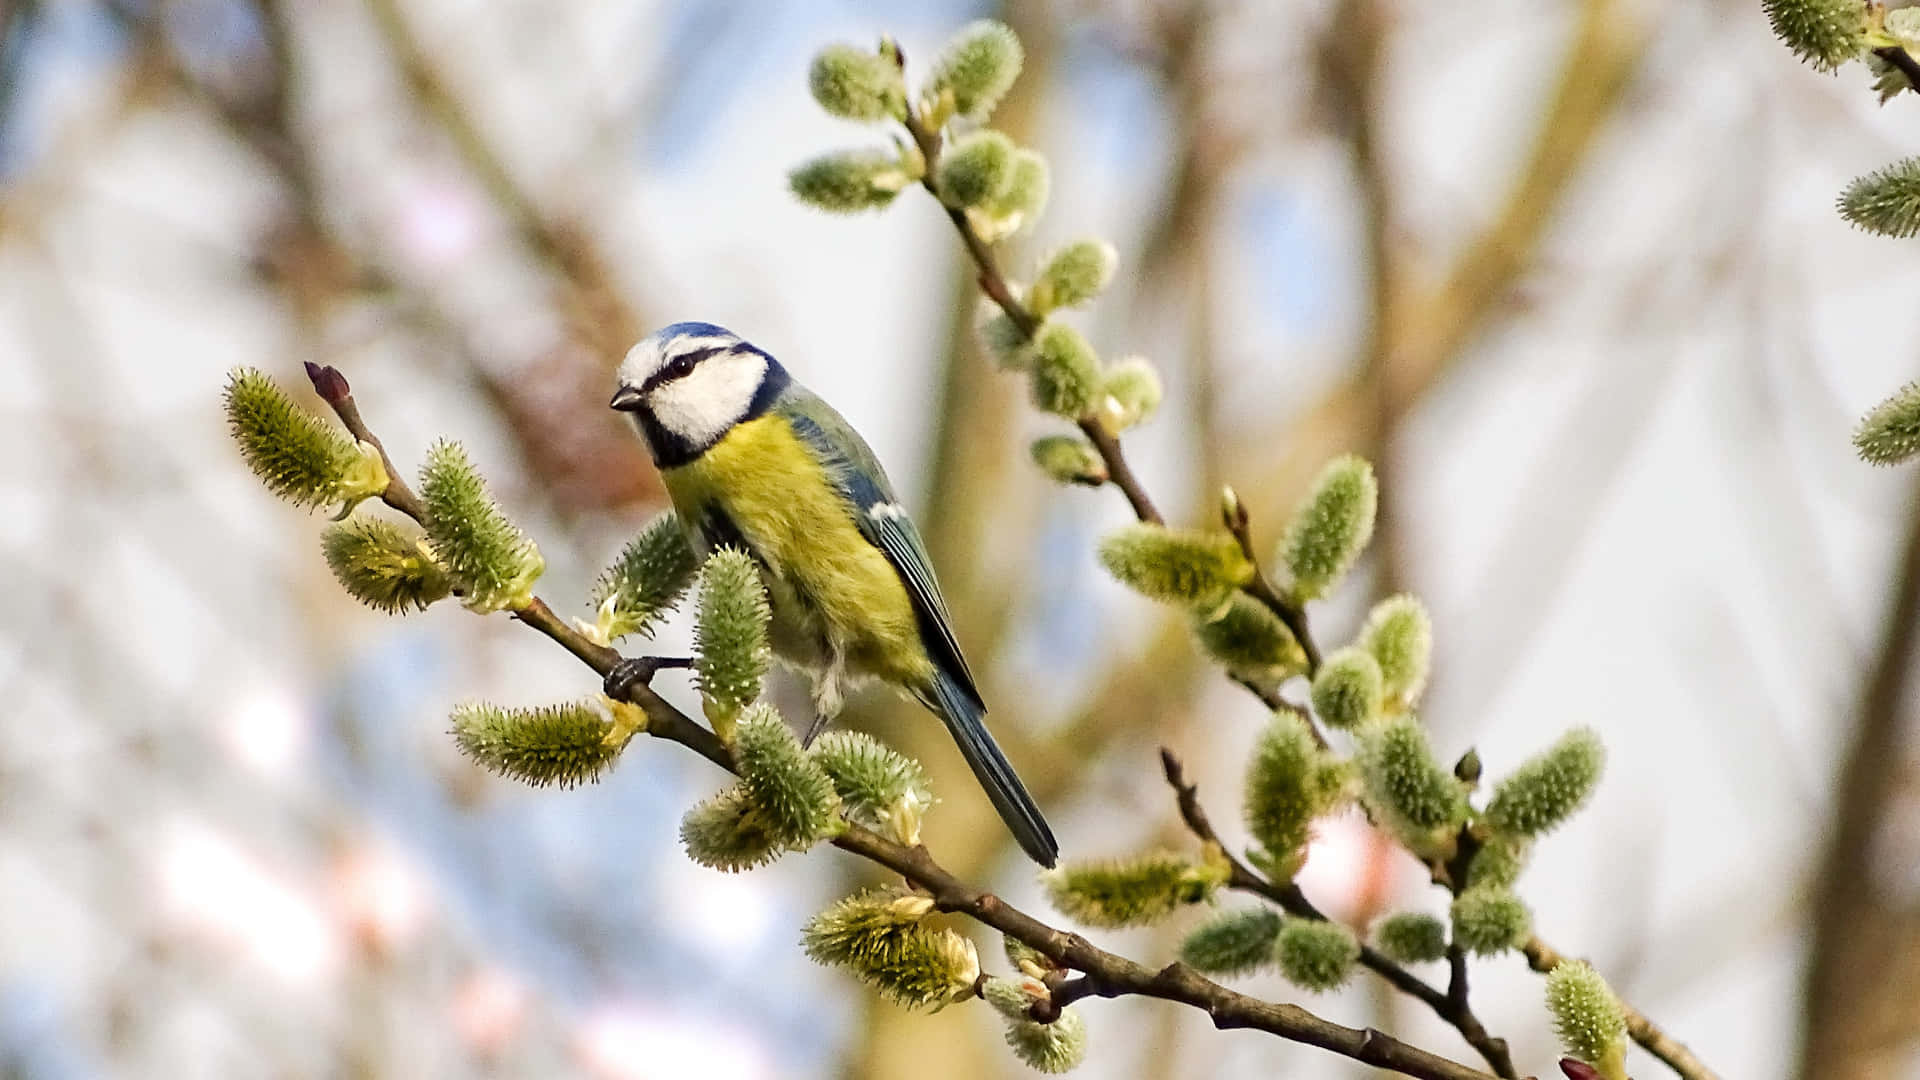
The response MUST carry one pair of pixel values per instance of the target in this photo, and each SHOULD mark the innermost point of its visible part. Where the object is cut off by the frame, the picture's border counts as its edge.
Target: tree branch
(1449, 1005)
(1107, 974)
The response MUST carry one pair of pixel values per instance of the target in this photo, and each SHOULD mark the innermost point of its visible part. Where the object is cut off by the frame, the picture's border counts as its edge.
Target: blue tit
(755, 461)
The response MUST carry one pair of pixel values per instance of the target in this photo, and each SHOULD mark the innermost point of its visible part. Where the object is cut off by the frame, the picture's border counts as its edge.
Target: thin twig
(1450, 1005)
(1900, 58)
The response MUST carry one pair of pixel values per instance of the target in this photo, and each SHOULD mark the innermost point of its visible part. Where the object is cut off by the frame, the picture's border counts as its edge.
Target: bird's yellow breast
(832, 591)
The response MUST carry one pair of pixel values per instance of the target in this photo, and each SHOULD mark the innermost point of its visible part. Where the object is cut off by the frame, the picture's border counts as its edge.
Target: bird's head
(688, 384)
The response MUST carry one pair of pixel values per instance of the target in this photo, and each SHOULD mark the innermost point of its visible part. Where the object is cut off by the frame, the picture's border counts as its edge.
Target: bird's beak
(626, 399)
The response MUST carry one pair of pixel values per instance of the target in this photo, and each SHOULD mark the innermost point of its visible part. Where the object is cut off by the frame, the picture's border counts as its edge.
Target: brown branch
(1902, 59)
(1107, 974)
(1449, 1005)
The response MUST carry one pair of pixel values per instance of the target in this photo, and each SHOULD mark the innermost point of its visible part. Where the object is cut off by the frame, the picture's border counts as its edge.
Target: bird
(753, 460)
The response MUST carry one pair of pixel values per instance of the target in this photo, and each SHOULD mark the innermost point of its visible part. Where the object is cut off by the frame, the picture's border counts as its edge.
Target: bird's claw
(628, 673)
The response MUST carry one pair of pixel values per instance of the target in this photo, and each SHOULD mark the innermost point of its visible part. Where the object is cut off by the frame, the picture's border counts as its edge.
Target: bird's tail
(965, 720)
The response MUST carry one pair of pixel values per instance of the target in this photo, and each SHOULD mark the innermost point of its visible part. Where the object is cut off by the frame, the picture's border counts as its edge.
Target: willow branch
(1106, 974)
(1449, 1005)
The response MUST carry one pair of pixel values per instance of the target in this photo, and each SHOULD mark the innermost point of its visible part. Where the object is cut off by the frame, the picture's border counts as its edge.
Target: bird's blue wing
(884, 522)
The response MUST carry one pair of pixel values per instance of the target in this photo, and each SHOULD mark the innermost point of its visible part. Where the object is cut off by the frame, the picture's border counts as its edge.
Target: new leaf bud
(646, 581)
(1824, 33)
(1065, 376)
(1548, 788)
(1074, 275)
(730, 635)
(1020, 205)
(1314, 954)
(382, 566)
(555, 744)
(878, 936)
(492, 563)
(1412, 937)
(879, 787)
(1069, 459)
(1330, 527)
(1049, 1048)
(1890, 433)
(1178, 566)
(1400, 636)
(1130, 392)
(849, 181)
(1411, 793)
(1885, 202)
(1499, 862)
(1346, 689)
(977, 66)
(1232, 942)
(1489, 920)
(857, 84)
(1137, 891)
(1250, 641)
(1290, 783)
(728, 832)
(297, 456)
(1588, 1017)
(794, 795)
(976, 169)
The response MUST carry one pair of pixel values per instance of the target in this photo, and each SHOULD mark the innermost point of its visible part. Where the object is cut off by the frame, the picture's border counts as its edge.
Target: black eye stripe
(679, 368)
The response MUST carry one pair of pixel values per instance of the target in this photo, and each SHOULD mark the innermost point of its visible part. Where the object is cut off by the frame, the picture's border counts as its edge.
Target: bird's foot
(637, 671)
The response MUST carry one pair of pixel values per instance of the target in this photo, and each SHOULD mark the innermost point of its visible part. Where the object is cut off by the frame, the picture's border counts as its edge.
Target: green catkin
(1412, 795)
(1824, 33)
(977, 66)
(1136, 891)
(731, 656)
(1073, 276)
(297, 456)
(857, 84)
(1200, 569)
(1587, 1016)
(795, 796)
(1489, 920)
(728, 832)
(1314, 954)
(1347, 688)
(561, 745)
(1548, 788)
(1290, 782)
(976, 169)
(1399, 635)
(1250, 641)
(654, 569)
(1330, 527)
(1068, 459)
(1890, 434)
(383, 566)
(1412, 937)
(491, 562)
(1232, 942)
(1063, 371)
(851, 181)
(880, 937)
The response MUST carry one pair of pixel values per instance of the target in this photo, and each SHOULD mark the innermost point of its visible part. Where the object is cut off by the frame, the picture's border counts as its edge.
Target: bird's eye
(681, 366)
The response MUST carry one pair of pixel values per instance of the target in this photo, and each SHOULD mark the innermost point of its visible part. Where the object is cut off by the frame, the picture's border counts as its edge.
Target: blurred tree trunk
(1860, 1019)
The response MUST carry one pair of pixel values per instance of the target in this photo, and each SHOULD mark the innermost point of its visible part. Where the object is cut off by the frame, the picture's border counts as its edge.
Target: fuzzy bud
(555, 744)
(1250, 641)
(1890, 433)
(1588, 1017)
(879, 937)
(1548, 788)
(1330, 527)
(849, 181)
(383, 566)
(1400, 636)
(1049, 1048)
(647, 580)
(729, 832)
(1346, 689)
(1412, 937)
(730, 635)
(1137, 891)
(1885, 202)
(1290, 782)
(1130, 393)
(1176, 566)
(1232, 942)
(1411, 793)
(879, 787)
(794, 794)
(1074, 275)
(1490, 920)
(1069, 459)
(1314, 954)
(1824, 33)
(1065, 376)
(1020, 205)
(297, 456)
(976, 169)
(857, 84)
(1499, 862)
(1000, 339)
(977, 66)
(492, 563)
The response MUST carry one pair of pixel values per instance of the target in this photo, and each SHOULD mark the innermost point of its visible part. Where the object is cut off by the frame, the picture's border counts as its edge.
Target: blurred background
(1569, 271)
